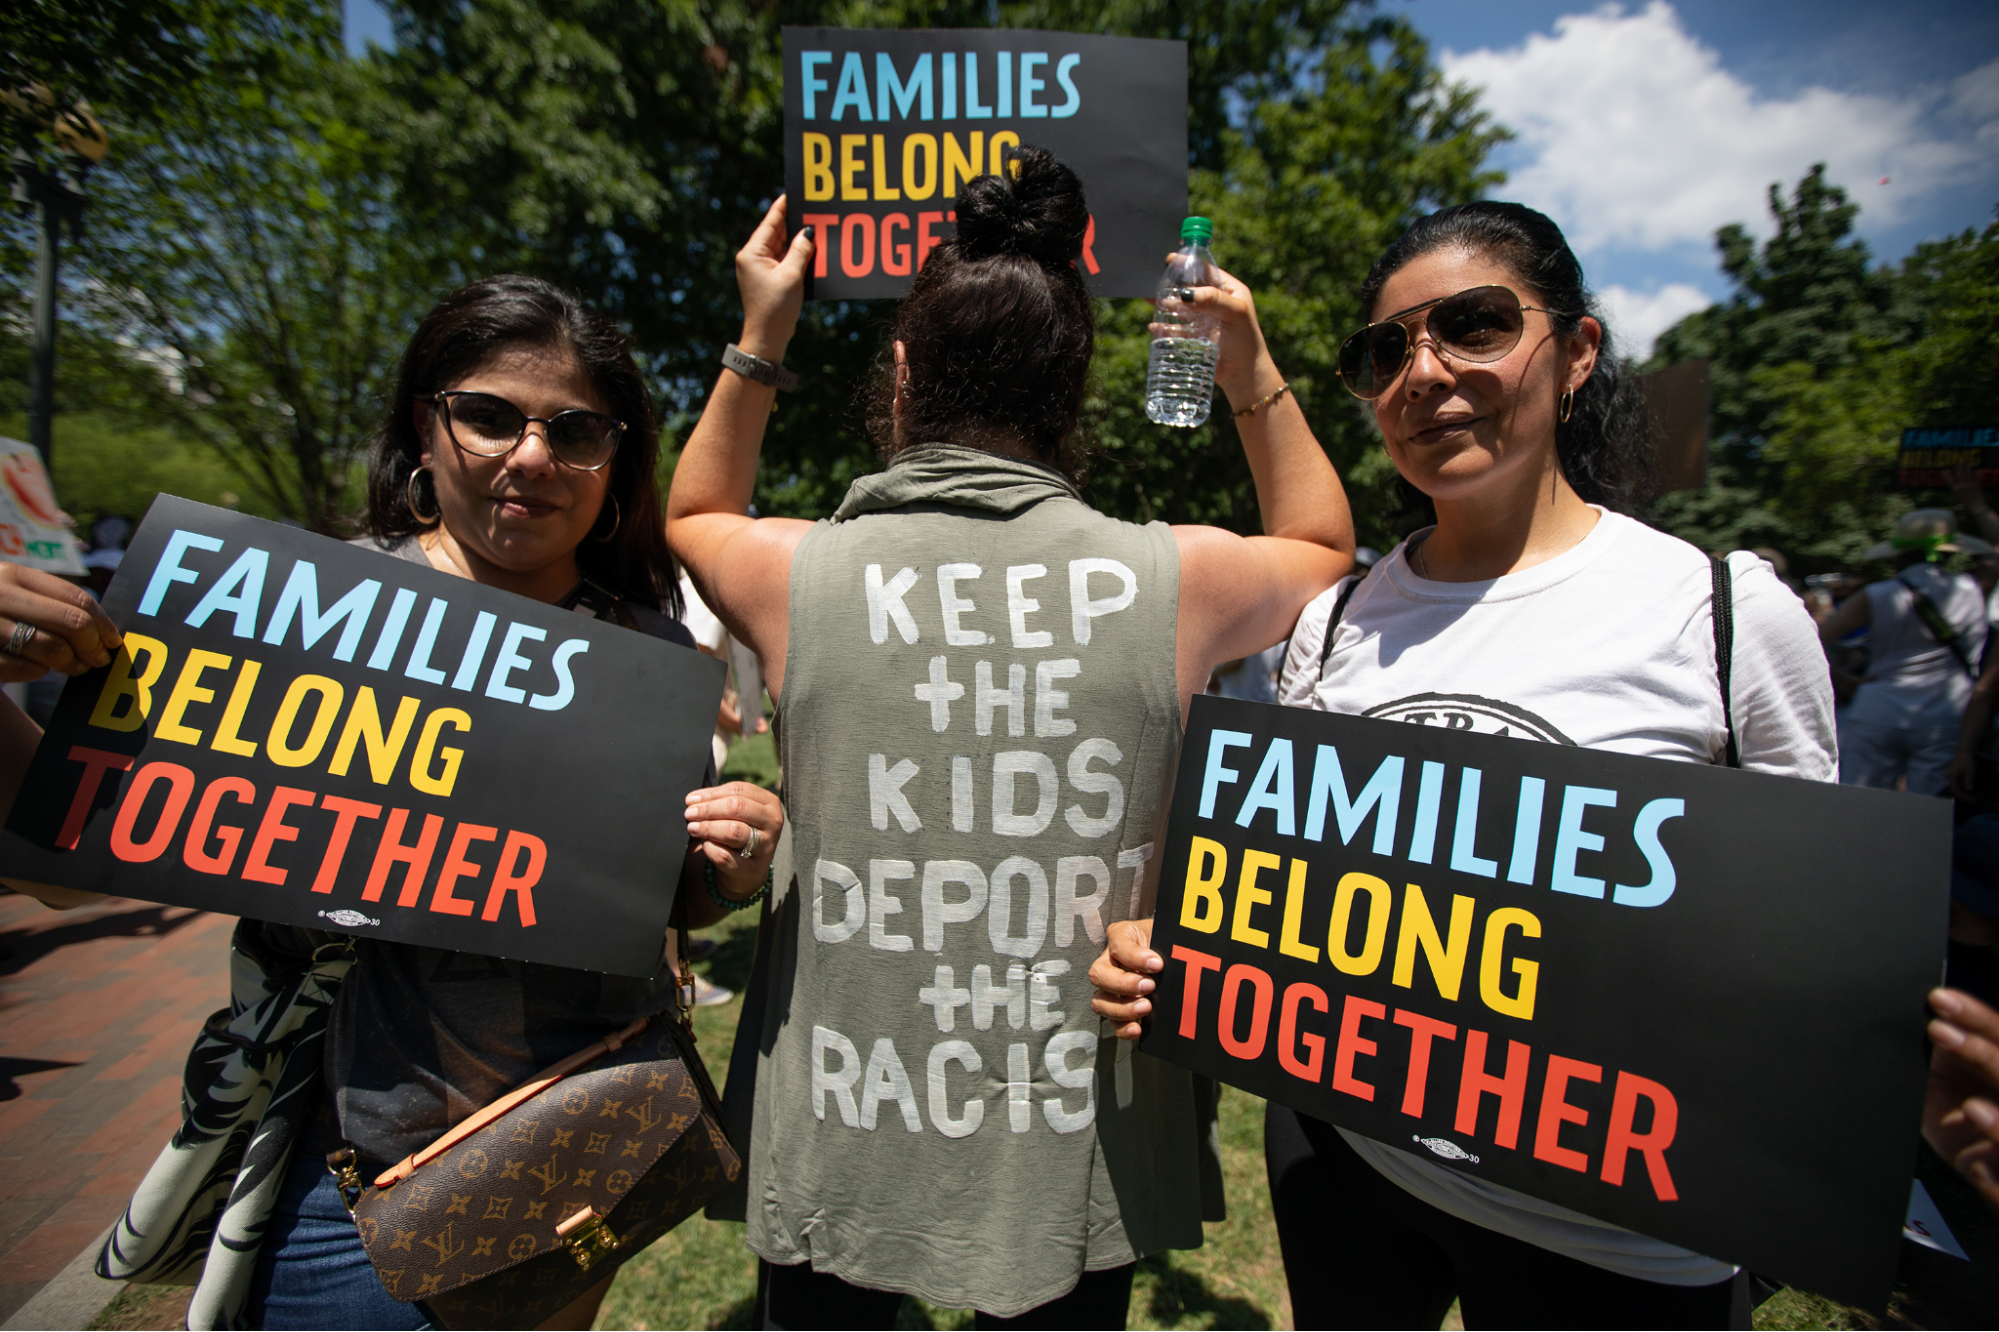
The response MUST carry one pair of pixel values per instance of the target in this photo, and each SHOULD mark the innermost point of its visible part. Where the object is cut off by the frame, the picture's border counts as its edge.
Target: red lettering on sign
(1259, 1017)
(345, 812)
(415, 858)
(1352, 1044)
(926, 240)
(510, 877)
(96, 762)
(1290, 1039)
(862, 225)
(822, 225)
(1422, 1030)
(1556, 1111)
(257, 866)
(196, 854)
(1652, 1143)
(1089, 240)
(180, 789)
(895, 254)
(457, 867)
(1511, 1089)
(1190, 1002)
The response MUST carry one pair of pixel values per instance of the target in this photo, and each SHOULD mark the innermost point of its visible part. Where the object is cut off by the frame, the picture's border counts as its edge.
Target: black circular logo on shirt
(1469, 712)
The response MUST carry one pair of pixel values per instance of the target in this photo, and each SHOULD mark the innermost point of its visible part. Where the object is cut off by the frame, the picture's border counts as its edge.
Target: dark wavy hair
(1606, 449)
(998, 330)
(463, 332)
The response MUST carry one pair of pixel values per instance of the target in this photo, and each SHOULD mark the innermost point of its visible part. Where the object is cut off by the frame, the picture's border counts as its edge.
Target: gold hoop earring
(1568, 405)
(409, 494)
(617, 517)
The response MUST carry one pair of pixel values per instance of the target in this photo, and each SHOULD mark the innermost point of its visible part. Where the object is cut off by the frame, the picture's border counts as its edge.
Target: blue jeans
(313, 1272)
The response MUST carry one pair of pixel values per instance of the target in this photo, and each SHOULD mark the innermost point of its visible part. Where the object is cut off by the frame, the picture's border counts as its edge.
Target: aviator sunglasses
(491, 427)
(1479, 325)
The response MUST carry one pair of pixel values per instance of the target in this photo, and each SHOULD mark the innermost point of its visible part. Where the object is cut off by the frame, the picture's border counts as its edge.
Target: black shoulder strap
(1723, 607)
(1333, 621)
(1940, 628)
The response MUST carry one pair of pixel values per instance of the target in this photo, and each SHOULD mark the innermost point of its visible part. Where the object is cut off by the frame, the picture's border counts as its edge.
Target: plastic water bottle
(1180, 378)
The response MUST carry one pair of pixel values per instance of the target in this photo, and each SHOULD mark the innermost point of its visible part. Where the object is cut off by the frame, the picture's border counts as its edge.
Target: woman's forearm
(717, 471)
(1298, 492)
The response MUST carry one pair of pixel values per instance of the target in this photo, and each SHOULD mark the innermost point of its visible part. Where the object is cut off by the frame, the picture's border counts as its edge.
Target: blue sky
(1645, 126)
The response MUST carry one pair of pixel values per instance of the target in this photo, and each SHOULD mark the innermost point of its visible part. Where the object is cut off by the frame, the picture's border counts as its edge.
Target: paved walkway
(98, 1008)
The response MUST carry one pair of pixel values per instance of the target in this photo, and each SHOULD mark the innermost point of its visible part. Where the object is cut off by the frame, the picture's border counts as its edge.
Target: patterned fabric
(198, 1217)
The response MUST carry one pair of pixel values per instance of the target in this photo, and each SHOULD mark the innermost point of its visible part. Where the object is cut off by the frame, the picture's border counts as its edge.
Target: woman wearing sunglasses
(1532, 608)
(519, 451)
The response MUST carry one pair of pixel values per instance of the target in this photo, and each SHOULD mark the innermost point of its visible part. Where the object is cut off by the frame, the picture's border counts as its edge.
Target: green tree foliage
(246, 271)
(626, 151)
(126, 58)
(1820, 361)
(250, 272)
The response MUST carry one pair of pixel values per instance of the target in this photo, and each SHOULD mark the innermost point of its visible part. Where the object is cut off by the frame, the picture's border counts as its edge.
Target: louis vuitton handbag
(523, 1207)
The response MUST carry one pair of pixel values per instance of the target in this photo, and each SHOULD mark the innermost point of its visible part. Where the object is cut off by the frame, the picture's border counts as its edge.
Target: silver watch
(768, 373)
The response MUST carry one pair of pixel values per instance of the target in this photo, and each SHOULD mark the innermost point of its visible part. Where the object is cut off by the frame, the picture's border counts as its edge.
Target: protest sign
(882, 128)
(1928, 456)
(32, 528)
(1683, 999)
(304, 731)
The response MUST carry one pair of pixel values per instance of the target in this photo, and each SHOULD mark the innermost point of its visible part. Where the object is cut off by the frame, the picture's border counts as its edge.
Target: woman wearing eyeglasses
(519, 451)
(1532, 608)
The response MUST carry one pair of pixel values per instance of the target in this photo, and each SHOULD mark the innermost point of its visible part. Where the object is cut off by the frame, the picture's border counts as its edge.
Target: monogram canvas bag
(525, 1206)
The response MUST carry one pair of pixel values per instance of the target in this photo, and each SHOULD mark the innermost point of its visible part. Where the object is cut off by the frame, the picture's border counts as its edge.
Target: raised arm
(1238, 594)
(742, 565)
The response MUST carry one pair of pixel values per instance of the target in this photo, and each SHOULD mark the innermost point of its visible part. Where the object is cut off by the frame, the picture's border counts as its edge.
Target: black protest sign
(1929, 455)
(309, 732)
(1682, 999)
(882, 128)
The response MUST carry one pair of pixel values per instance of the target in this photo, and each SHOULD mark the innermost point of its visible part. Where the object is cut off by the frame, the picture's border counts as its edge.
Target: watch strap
(769, 373)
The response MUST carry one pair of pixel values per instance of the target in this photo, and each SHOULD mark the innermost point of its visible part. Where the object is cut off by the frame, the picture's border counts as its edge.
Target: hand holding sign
(1123, 977)
(771, 277)
(1961, 1113)
(66, 630)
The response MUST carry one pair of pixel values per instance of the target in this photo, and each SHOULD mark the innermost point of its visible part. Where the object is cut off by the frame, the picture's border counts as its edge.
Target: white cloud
(1637, 317)
(1637, 138)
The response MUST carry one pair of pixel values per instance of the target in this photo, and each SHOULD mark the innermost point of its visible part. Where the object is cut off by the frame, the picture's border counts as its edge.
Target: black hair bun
(1035, 207)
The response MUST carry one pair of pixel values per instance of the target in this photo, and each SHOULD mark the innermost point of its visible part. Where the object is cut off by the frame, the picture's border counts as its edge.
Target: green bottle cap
(1199, 230)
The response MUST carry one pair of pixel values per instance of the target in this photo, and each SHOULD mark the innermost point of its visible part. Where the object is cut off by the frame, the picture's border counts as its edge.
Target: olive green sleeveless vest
(979, 719)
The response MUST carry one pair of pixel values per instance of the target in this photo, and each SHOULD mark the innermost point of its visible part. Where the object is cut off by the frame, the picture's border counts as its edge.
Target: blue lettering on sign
(810, 83)
(1274, 789)
(889, 88)
(238, 592)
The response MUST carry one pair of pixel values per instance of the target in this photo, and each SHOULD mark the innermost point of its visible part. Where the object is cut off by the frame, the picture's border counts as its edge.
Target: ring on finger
(750, 847)
(17, 642)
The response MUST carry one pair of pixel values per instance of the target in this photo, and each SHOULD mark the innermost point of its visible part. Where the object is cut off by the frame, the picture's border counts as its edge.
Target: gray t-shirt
(979, 719)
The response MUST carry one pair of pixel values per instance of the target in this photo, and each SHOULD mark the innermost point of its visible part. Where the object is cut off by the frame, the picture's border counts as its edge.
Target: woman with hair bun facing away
(981, 683)
(1533, 608)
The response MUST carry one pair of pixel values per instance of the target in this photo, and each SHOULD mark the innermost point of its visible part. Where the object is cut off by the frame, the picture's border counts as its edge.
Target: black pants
(1362, 1251)
(798, 1297)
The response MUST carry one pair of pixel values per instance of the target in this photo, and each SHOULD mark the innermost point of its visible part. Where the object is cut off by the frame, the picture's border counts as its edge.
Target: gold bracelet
(1261, 403)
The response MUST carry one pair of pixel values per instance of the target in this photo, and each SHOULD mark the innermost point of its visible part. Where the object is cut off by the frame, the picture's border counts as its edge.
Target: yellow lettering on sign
(122, 683)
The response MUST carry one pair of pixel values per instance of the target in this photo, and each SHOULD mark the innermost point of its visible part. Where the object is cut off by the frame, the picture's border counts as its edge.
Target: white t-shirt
(1610, 645)
(700, 621)
(1913, 680)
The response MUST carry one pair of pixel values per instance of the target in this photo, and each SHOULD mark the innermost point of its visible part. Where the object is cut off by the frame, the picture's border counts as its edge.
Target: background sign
(1929, 454)
(882, 128)
(32, 528)
(304, 731)
(1686, 1000)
